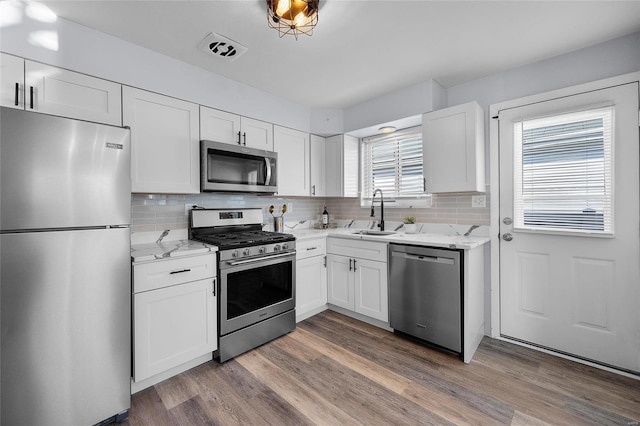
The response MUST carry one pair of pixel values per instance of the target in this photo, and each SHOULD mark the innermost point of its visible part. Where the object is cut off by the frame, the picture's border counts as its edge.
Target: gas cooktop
(230, 240)
(231, 229)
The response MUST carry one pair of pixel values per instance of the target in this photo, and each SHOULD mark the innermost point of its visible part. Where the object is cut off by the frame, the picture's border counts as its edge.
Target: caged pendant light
(292, 16)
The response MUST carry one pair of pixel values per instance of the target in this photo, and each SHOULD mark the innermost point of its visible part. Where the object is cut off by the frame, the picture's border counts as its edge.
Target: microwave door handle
(268, 166)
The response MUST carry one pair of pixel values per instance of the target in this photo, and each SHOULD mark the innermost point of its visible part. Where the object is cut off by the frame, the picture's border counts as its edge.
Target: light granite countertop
(168, 249)
(423, 239)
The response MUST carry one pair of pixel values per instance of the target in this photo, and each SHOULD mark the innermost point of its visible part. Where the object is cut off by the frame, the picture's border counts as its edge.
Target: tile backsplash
(153, 212)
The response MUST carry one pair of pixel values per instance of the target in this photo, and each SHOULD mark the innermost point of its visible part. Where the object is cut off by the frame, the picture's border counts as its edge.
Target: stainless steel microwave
(235, 168)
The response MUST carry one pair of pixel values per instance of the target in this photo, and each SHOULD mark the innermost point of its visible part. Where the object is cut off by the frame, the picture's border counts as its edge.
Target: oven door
(233, 168)
(252, 290)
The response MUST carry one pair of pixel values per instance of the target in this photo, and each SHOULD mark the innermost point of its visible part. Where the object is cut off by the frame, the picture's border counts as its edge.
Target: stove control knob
(285, 246)
(262, 250)
(235, 253)
(246, 252)
(277, 247)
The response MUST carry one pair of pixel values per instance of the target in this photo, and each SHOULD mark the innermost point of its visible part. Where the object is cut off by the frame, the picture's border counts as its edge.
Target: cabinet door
(219, 126)
(311, 284)
(350, 167)
(318, 165)
(173, 325)
(340, 281)
(164, 143)
(11, 81)
(342, 166)
(453, 149)
(371, 295)
(256, 134)
(292, 147)
(69, 94)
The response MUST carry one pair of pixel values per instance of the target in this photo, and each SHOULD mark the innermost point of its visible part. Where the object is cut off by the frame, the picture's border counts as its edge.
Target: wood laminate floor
(334, 370)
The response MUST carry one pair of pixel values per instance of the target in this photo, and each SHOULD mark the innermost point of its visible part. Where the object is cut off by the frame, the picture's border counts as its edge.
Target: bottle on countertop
(325, 217)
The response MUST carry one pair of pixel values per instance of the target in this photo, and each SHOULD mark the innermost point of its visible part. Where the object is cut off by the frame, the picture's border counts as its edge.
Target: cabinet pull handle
(325, 261)
(31, 97)
(179, 272)
(215, 283)
(244, 137)
(354, 265)
(239, 143)
(17, 93)
(424, 184)
(313, 187)
(350, 267)
(311, 248)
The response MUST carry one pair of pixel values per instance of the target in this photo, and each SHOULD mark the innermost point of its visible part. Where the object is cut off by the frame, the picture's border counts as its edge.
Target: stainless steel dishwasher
(425, 294)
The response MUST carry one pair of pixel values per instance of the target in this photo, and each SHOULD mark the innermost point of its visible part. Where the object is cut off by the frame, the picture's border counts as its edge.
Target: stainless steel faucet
(466, 234)
(373, 213)
(164, 234)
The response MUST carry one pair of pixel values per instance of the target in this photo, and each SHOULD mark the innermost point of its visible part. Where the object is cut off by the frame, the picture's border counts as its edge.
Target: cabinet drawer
(164, 273)
(357, 248)
(310, 248)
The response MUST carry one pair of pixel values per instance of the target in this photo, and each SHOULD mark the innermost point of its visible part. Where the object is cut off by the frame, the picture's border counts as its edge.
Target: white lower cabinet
(311, 278)
(174, 323)
(357, 283)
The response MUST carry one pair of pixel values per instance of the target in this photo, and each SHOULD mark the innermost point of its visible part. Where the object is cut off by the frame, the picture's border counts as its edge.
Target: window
(563, 173)
(393, 163)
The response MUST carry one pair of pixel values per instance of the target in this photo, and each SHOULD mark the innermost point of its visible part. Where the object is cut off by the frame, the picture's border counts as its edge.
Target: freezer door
(66, 318)
(58, 173)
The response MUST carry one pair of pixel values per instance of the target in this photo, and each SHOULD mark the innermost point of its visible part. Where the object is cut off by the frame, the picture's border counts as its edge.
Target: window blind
(393, 163)
(563, 173)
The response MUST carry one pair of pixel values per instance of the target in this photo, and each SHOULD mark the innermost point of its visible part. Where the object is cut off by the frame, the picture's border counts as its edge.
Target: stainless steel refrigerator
(65, 270)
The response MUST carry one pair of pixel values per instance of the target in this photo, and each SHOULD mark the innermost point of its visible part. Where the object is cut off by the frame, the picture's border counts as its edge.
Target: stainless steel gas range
(256, 277)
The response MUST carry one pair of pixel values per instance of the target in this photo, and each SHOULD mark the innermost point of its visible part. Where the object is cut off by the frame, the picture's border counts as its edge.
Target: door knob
(507, 237)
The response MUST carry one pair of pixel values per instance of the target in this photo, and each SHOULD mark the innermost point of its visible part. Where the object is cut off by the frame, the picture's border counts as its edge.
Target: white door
(340, 281)
(56, 91)
(292, 147)
(165, 144)
(219, 126)
(569, 209)
(371, 295)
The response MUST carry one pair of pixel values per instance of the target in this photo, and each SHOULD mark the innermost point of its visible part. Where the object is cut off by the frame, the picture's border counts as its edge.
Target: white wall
(406, 102)
(608, 59)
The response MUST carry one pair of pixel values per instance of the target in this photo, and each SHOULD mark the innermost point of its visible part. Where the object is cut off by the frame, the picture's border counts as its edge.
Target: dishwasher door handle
(424, 258)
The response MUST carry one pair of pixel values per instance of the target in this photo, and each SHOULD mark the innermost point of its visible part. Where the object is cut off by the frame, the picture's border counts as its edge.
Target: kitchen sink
(373, 232)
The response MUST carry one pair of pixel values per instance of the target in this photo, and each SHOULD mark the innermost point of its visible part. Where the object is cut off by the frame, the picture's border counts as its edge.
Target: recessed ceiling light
(387, 129)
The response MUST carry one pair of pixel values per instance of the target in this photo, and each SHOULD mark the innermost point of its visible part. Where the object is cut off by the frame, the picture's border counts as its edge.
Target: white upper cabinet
(221, 126)
(453, 149)
(164, 143)
(257, 134)
(341, 159)
(50, 90)
(55, 91)
(318, 166)
(11, 81)
(292, 147)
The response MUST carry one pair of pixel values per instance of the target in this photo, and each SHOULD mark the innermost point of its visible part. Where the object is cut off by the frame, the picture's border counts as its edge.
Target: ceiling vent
(222, 47)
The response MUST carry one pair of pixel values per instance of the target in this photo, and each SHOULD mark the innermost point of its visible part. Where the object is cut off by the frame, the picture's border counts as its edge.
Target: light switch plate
(478, 201)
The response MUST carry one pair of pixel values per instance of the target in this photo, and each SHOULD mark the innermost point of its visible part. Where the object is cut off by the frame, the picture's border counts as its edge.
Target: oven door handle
(261, 259)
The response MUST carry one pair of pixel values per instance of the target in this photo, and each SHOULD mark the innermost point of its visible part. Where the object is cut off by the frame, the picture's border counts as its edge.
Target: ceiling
(361, 49)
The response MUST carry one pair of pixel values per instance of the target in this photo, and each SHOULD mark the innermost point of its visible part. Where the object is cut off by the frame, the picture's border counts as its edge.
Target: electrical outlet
(478, 201)
(188, 207)
(289, 207)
